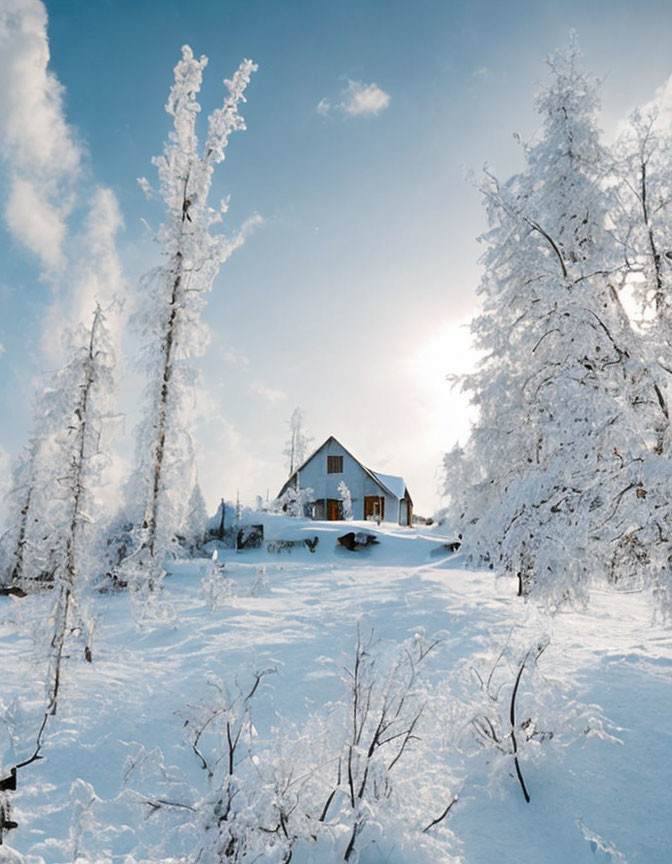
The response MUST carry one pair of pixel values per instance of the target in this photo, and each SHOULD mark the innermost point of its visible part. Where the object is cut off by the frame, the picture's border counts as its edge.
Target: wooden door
(333, 509)
(373, 506)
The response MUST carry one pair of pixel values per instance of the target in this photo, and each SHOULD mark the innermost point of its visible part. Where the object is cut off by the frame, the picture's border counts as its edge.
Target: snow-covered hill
(123, 776)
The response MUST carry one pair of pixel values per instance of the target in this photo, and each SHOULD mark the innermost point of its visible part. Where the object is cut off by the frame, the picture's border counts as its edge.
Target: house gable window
(334, 464)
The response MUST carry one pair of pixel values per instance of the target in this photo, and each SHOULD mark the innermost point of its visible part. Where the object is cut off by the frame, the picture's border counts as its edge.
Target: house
(379, 496)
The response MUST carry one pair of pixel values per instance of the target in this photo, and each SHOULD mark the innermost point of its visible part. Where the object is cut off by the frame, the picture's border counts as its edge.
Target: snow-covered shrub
(361, 773)
(261, 583)
(346, 500)
(383, 709)
(294, 502)
(239, 819)
(356, 774)
(494, 725)
(215, 587)
(509, 714)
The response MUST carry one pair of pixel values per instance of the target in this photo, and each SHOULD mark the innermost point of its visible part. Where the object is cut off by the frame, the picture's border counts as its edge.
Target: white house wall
(314, 475)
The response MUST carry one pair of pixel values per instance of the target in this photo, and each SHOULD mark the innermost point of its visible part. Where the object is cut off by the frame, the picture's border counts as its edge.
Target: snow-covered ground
(122, 781)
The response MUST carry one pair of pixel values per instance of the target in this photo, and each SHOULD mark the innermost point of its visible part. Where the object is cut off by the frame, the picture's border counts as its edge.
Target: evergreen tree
(549, 478)
(193, 529)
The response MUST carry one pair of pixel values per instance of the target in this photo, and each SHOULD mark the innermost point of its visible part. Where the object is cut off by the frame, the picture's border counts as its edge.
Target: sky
(352, 297)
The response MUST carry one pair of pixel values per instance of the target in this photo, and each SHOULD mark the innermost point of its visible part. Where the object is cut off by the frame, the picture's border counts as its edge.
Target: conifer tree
(550, 476)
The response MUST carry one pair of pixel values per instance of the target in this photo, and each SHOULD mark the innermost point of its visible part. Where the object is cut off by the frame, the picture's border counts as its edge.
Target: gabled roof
(394, 486)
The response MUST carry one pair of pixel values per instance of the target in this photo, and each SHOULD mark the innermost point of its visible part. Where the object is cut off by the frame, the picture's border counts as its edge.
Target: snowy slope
(120, 780)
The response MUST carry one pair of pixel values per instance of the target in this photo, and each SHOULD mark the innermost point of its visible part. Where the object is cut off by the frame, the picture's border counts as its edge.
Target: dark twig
(512, 717)
(442, 816)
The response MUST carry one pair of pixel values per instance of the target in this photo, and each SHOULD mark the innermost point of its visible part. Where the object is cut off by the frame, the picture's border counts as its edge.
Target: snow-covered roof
(388, 482)
(396, 485)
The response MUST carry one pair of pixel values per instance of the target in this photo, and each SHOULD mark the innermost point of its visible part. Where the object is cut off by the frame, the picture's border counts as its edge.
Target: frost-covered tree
(298, 443)
(552, 473)
(171, 301)
(643, 194)
(66, 457)
(57, 480)
(193, 528)
(24, 506)
(346, 500)
(89, 382)
(643, 179)
(294, 501)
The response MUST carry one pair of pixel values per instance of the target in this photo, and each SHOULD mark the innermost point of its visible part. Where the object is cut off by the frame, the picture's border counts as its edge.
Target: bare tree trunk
(152, 510)
(177, 291)
(16, 573)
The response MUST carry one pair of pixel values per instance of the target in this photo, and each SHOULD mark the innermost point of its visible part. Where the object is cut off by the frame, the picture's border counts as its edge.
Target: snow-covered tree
(298, 443)
(89, 381)
(643, 179)
(193, 528)
(346, 500)
(294, 501)
(57, 480)
(25, 508)
(643, 194)
(550, 477)
(172, 298)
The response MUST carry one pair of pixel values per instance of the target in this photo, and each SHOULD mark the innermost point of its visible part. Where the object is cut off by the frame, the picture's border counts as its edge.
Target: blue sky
(349, 299)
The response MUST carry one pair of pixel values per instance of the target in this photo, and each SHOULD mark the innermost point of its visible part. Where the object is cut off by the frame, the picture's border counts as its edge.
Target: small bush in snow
(515, 714)
(294, 502)
(215, 587)
(346, 500)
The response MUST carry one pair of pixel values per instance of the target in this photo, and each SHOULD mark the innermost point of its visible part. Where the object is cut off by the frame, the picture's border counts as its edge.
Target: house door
(374, 506)
(333, 509)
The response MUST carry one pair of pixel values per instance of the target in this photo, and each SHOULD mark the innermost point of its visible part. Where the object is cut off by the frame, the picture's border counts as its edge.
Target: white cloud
(271, 394)
(357, 100)
(661, 104)
(37, 145)
(2, 349)
(481, 74)
(34, 221)
(97, 275)
(363, 99)
(234, 357)
(229, 460)
(323, 107)
(659, 107)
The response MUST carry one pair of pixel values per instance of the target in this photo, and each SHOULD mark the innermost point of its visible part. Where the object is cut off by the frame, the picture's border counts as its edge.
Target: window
(334, 464)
